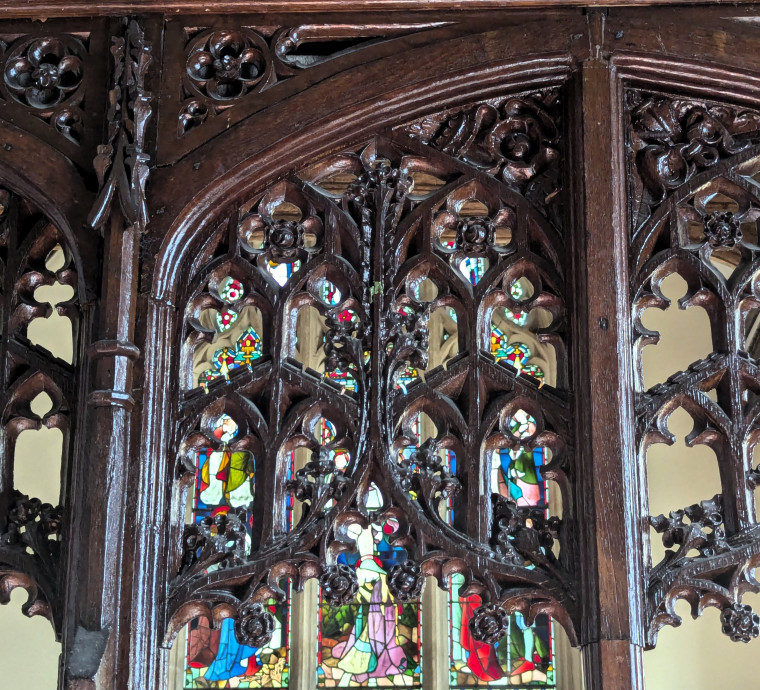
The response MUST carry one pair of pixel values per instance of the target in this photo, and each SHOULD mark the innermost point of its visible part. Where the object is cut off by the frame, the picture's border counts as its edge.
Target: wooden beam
(14, 9)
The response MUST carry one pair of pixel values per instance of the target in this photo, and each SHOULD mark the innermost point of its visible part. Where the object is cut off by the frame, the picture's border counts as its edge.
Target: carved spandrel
(674, 139)
(222, 66)
(517, 139)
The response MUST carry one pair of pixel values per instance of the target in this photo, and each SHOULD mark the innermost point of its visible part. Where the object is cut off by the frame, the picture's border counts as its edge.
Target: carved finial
(339, 584)
(405, 581)
(254, 625)
(122, 163)
(740, 622)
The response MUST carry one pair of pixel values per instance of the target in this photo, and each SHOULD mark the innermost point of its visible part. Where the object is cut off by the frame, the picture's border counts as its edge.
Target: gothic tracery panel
(392, 320)
(694, 168)
(40, 283)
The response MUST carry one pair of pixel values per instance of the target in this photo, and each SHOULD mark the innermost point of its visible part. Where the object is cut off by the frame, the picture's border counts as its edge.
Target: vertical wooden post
(612, 573)
(98, 492)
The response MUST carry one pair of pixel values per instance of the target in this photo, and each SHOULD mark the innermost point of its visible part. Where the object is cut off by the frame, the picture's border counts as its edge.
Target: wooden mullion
(608, 486)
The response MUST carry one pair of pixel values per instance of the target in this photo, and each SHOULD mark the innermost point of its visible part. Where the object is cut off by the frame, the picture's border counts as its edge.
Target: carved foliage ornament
(46, 75)
(122, 163)
(674, 139)
(516, 140)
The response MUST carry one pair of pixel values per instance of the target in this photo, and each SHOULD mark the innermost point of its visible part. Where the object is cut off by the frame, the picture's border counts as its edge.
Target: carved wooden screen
(358, 301)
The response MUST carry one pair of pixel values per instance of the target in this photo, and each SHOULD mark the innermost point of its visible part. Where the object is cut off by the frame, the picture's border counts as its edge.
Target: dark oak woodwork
(155, 148)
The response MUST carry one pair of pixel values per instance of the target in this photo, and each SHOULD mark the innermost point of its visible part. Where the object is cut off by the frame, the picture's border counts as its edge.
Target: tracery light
(383, 645)
(214, 656)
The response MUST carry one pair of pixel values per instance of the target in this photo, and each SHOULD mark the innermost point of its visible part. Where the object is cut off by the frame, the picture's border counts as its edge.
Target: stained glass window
(516, 354)
(523, 658)
(214, 657)
(344, 378)
(404, 377)
(373, 641)
(231, 348)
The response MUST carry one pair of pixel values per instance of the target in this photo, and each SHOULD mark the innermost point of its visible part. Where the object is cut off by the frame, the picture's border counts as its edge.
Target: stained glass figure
(282, 272)
(225, 477)
(214, 657)
(248, 347)
(404, 377)
(230, 290)
(473, 268)
(517, 475)
(523, 658)
(225, 319)
(372, 642)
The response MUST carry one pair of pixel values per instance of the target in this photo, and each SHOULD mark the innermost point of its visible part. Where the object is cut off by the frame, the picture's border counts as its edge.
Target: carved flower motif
(474, 234)
(254, 625)
(524, 138)
(227, 64)
(339, 584)
(722, 229)
(405, 581)
(44, 73)
(740, 622)
(279, 239)
(489, 623)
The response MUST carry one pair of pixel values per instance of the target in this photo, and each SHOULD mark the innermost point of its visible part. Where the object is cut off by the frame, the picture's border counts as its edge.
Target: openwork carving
(379, 285)
(695, 168)
(122, 163)
(46, 76)
(674, 139)
(516, 139)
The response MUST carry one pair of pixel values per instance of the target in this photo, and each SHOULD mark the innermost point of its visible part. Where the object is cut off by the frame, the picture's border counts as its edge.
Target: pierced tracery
(700, 223)
(38, 376)
(381, 290)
